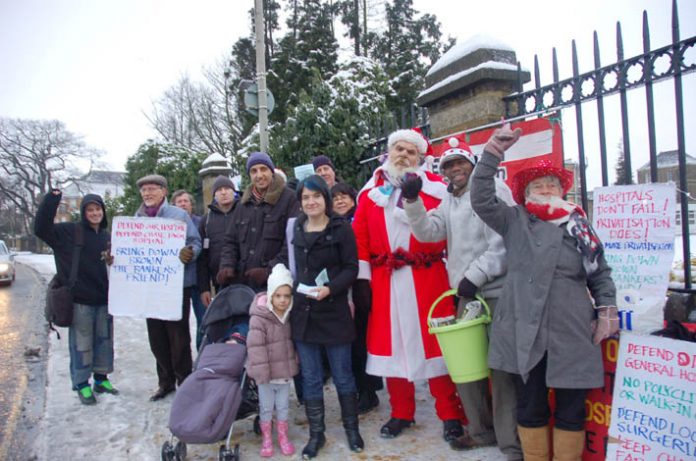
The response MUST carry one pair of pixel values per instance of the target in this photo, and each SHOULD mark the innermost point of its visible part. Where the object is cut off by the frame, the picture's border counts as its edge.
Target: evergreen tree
(334, 118)
(621, 167)
(407, 49)
(178, 164)
(311, 49)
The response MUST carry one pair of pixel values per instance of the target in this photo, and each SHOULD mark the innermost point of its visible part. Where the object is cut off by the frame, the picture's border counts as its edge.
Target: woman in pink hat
(557, 304)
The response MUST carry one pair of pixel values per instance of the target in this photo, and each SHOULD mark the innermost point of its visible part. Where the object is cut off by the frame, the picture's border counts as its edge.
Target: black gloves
(186, 255)
(225, 276)
(466, 289)
(411, 187)
(258, 276)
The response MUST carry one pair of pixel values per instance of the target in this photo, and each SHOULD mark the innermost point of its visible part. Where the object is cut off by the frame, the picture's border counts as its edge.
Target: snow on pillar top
(215, 165)
(465, 64)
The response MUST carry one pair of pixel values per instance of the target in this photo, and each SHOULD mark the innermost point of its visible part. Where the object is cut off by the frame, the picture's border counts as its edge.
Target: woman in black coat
(344, 205)
(324, 244)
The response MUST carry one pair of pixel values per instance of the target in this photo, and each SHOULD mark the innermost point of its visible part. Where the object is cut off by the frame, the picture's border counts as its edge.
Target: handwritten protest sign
(636, 225)
(654, 408)
(146, 278)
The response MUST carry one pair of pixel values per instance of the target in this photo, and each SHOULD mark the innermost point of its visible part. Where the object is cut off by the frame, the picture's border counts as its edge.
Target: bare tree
(200, 116)
(36, 156)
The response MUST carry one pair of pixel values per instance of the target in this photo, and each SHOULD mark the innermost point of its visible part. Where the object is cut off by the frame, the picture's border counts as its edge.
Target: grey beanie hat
(222, 181)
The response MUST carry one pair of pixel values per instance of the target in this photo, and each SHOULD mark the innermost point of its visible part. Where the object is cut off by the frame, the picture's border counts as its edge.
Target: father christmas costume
(406, 277)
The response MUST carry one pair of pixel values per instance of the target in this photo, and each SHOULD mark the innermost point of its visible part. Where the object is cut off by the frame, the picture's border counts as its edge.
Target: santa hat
(541, 169)
(455, 147)
(412, 136)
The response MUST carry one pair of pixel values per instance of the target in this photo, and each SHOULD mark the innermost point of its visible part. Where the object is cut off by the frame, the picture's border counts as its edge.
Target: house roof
(669, 158)
(99, 182)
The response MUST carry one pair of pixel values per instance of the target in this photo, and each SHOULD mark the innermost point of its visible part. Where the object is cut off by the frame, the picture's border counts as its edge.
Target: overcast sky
(97, 65)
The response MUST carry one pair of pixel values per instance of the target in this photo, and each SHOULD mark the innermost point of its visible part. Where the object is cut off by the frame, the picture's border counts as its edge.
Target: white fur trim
(409, 136)
(378, 197)
(364, 270)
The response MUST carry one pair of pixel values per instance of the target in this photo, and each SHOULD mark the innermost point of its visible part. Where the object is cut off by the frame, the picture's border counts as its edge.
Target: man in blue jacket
(170, 340)
(91, 335)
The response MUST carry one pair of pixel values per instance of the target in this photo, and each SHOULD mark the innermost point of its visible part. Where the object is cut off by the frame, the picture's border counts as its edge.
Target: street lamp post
(261, 75)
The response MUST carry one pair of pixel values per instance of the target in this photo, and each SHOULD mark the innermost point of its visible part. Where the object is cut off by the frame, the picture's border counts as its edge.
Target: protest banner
(654, 409)
(146, 279)
(636, 224)
(540, 140)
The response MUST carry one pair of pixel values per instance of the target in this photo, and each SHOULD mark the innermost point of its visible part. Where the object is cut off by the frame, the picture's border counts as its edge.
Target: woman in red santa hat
(558, 302)
(405, 277)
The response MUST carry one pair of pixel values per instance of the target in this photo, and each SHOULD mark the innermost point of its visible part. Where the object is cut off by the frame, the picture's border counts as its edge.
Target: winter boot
(367, 401)
(535, 442)
(286, 446)
(315, 416)
(349, 414)
(267, 441)
(568, 445)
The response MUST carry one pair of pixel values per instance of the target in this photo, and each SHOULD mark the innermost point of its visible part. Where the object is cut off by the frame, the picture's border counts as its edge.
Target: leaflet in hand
(307, 290)
(322, 279)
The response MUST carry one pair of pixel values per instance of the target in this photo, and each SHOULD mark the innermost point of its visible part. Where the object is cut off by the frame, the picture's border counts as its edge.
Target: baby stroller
(218, 392)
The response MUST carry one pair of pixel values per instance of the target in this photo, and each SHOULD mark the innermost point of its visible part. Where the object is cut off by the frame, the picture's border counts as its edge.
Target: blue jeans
(312, 372)
(91, 343)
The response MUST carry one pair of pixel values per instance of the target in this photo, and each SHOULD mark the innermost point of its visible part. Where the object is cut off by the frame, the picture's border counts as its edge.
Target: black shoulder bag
(59, 298)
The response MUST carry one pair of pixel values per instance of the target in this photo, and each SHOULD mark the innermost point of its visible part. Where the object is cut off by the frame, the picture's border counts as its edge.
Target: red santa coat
(398, 342)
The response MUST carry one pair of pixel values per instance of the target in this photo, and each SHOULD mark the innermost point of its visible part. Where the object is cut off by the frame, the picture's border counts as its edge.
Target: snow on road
(130, 427)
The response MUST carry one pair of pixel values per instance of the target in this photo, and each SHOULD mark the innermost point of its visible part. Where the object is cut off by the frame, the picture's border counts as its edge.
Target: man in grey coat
(475, 264)
(170, 340)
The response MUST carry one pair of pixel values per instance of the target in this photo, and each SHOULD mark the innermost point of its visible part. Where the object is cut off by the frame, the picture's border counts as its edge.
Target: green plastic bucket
(464, 345)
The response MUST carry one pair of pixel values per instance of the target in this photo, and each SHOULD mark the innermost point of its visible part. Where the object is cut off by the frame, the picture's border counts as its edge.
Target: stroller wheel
(226, 454)
(180, 451)
(167, 451)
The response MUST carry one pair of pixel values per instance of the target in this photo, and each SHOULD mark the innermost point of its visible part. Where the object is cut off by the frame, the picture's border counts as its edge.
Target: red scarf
(557, 212)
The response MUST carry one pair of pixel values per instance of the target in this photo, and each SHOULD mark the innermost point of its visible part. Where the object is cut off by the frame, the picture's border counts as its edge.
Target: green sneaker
(86, 396)
(105, 386)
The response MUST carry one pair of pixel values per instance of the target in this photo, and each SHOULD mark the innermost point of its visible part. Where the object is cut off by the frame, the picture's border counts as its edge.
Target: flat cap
(156, 179)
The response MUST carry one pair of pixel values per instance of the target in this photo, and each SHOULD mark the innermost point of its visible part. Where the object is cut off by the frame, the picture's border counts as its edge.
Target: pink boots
(267, 442)
(286, 446)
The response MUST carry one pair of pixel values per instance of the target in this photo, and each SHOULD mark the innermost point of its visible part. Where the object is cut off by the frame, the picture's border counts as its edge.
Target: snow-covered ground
(130, 427)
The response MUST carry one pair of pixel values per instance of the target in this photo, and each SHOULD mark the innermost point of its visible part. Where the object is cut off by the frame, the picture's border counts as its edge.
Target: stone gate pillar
(465, 87)
(213, 166)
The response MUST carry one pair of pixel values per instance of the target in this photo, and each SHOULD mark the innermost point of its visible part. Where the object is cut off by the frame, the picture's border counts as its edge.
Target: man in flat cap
(256, 241)
(170, 340)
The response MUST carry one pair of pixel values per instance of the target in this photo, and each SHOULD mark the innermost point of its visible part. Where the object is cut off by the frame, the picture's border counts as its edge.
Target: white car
(7, 264)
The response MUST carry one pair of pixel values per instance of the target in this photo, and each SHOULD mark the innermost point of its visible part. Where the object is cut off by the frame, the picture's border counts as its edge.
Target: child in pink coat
(271, 358)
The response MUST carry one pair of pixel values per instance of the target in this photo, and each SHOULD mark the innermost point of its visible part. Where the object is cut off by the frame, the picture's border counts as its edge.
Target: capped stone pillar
(465, 87)
(213, 166)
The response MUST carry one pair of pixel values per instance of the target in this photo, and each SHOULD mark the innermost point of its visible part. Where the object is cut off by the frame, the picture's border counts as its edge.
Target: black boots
(315, 416)
(349, 414)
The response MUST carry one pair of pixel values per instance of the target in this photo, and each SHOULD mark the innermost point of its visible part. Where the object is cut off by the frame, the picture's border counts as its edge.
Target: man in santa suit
(404, 277)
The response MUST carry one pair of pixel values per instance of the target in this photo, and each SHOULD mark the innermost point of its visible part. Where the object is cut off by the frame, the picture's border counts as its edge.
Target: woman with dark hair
(324, 248)
(344, 200)
(344, 204)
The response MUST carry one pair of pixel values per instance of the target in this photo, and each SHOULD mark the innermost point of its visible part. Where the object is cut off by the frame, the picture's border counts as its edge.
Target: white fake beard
(396, 174)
